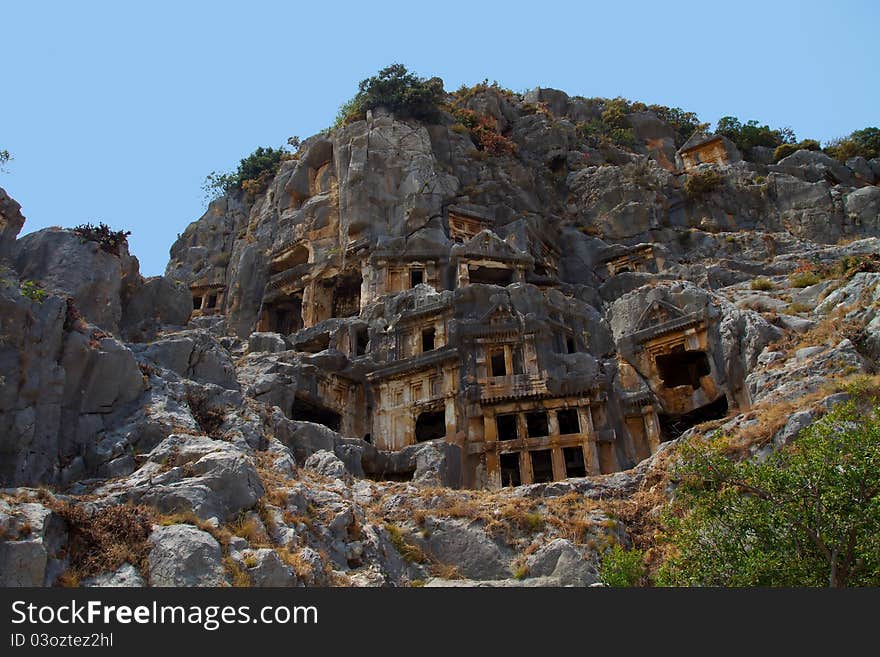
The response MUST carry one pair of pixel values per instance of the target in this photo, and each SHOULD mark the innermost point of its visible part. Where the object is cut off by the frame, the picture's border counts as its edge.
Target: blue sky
(116, 111)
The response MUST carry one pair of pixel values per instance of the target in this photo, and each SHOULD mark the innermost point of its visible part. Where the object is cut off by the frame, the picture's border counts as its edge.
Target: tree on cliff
(807, 516)
(5, 158)
(399, 91)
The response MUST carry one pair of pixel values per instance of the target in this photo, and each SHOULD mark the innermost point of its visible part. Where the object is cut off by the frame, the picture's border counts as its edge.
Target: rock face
(410, 359)
(182, 555)
(11, 221)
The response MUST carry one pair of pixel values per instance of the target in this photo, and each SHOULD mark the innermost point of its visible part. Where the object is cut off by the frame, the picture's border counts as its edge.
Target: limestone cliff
(411, 358)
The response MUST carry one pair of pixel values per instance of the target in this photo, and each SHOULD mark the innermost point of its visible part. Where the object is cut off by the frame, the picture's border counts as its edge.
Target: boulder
(466, 546)
(193, 354)
(211, 478)
(183, 555)
(269, 342)
(265, 568)
(152, 304)
(564, 562)
(326, 463)
(64, 262)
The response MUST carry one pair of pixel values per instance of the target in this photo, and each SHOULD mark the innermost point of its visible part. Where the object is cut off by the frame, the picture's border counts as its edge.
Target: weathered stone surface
(193, 354)
(467, 547)
(11, 222)
(271, 342)
(396, 313)
(125, 576)
(264, 568)
(326, 463)
(211, 478)
(155, 303)
(31, 543)
(564, 562)
(64, 262)
(183, 555)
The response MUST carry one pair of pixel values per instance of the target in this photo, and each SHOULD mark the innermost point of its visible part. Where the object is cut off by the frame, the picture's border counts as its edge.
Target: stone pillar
(525, 467)
(652, 428)
(591, 453)
(558, 464)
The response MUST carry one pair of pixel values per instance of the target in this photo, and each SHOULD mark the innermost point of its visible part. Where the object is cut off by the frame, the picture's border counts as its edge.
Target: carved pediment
(659, 312)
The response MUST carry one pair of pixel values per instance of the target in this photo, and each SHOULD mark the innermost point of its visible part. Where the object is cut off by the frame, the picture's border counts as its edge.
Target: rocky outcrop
(335, 368)
(11, 222)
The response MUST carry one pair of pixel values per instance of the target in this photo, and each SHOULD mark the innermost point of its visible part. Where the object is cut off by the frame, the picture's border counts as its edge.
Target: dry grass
(103, 540)
(411, 553)
(238, 576)
(295, 560)
(445, 571)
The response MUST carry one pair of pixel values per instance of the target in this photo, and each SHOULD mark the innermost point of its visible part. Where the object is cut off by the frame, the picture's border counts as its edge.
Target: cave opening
(362, 339)
(542, 466)
(510, 469)
(490, 275)
(347, 295)
(506, 427)
(430, 425)
(537, 425)
(496, 363)
(428, 339)
(683, 368)
(304, 410)
(568, 421)
(574, 461)
(285, 316)
(672, 426)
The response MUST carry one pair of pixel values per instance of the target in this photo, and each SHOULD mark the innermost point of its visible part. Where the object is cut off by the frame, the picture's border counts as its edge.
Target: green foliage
(761, 284)
(401, 92)
(33, 291)
(803, 278)
(864, 143)
(784, 150)
(750, 134)
(809, 515)
(621, 567)
(252, 175)
(5, 158)
(684, 123)
(110, 241)
(702, 183)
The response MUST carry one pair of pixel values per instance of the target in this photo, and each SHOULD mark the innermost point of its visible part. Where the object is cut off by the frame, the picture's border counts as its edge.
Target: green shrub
(252, 175)
(762, 284)
(622, 568)
(33, 291)
(864, 143)
(750, 134)
(684, 123)
(403, 93)
(702, 183)
(5, 158)
(784, 150)
(803, 278)
(808, 515)
(797, 308)
(110, 241)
